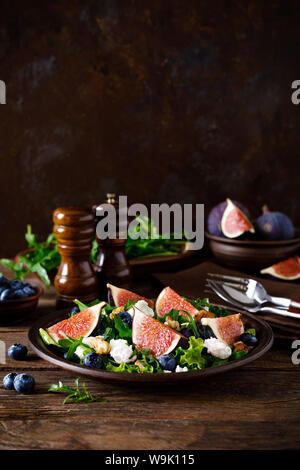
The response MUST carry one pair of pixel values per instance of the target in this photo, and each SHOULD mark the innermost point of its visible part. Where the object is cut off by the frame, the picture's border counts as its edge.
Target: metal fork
(240, 300)
(254, 290)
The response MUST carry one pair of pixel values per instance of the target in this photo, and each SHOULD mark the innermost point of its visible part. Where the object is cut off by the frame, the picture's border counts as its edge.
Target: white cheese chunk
(217, 348)
(120, 351)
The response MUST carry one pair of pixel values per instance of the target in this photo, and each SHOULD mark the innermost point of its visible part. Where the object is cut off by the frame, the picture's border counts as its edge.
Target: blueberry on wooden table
(8, 380)
(93, 360)
(126, 318)
(24, 383)
(167, 362)
(17, 352)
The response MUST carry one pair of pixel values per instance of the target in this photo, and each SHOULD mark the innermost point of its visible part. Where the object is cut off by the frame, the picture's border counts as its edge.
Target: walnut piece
(173, 323)
(115, 311)
(100, 345)
(203, 314)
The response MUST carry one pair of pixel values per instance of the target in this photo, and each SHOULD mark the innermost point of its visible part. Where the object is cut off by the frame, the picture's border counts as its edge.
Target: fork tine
(239, 287)
(208, 291)
(225, 277)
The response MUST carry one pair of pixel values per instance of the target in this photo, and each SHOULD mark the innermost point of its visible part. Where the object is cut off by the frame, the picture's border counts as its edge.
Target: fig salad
(133, 334)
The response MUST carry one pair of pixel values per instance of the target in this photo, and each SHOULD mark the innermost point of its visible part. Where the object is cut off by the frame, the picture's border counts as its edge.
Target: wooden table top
(256, 407)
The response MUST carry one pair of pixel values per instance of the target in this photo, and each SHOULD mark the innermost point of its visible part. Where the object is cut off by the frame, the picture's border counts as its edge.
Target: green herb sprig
(144, 241)
(75, 395)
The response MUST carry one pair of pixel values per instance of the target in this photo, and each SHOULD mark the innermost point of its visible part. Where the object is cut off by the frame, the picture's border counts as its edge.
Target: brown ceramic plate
(264, 333)
(252, 255)
(15, 310)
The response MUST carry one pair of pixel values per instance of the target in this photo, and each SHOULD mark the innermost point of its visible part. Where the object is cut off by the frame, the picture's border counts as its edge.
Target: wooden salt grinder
(112, 265)
(74, 229)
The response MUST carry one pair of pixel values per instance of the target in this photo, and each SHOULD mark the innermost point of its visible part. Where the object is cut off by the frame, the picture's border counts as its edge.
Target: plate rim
(141, 379)
(270, 243)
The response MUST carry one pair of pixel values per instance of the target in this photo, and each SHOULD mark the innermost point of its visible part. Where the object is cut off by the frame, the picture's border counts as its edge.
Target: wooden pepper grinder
(112, 265)
(74, 229)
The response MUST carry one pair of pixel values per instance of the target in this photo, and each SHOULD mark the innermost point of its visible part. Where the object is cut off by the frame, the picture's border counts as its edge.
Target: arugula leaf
(38, 268)
(199, 304)
(30, 237)
(75, 395)
(94, 251)
(185, 319)
(83, 306)
(19, 269)
(70, 345)
(123, 330)
(237, 355)
(149, 361)
(144, 241)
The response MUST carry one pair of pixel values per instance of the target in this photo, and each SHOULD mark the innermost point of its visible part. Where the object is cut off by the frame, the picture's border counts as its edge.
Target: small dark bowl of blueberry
(17, 299)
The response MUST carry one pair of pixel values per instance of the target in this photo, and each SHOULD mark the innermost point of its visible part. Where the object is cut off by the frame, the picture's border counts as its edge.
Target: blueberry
(19, 294)
(167, 362)
(126, 318)
(187, 332)
(6, 294)
(29, 290)
(93, 360)
(16, 285)
(24, 383)
(74, 358)
(248, 339)
(2, 288)
(74, 310)
(4, 282)
(205, 331)
(8, 380)
(17, 352)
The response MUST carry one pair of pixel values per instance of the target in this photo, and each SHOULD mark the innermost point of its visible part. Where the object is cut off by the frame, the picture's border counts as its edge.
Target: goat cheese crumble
(120, 351)
(143, 306)
(181, 369)
(217, 348)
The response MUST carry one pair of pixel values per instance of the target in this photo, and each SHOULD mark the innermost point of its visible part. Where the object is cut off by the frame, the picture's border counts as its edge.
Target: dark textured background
(162, 100)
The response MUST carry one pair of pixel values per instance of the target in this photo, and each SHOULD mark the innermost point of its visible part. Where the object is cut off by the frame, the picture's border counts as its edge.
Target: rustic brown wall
(161, 100)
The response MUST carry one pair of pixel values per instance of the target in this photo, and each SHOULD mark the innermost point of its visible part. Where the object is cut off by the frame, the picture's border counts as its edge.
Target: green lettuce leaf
(191, 357)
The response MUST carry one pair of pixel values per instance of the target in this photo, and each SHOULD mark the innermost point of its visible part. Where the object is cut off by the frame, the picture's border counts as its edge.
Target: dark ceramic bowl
(15, 310)
(251, 255)
(263, 330)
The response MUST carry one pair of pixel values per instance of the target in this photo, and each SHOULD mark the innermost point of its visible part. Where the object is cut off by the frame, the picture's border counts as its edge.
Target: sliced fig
(120, 296)
(288, 270)
(81, 324)
(169, 299)
(215, 217)
(148, 333)
(227, 329)
(234, 222)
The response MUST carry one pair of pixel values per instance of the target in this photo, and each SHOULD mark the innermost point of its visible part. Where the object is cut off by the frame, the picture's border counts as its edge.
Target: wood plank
(257, 406)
